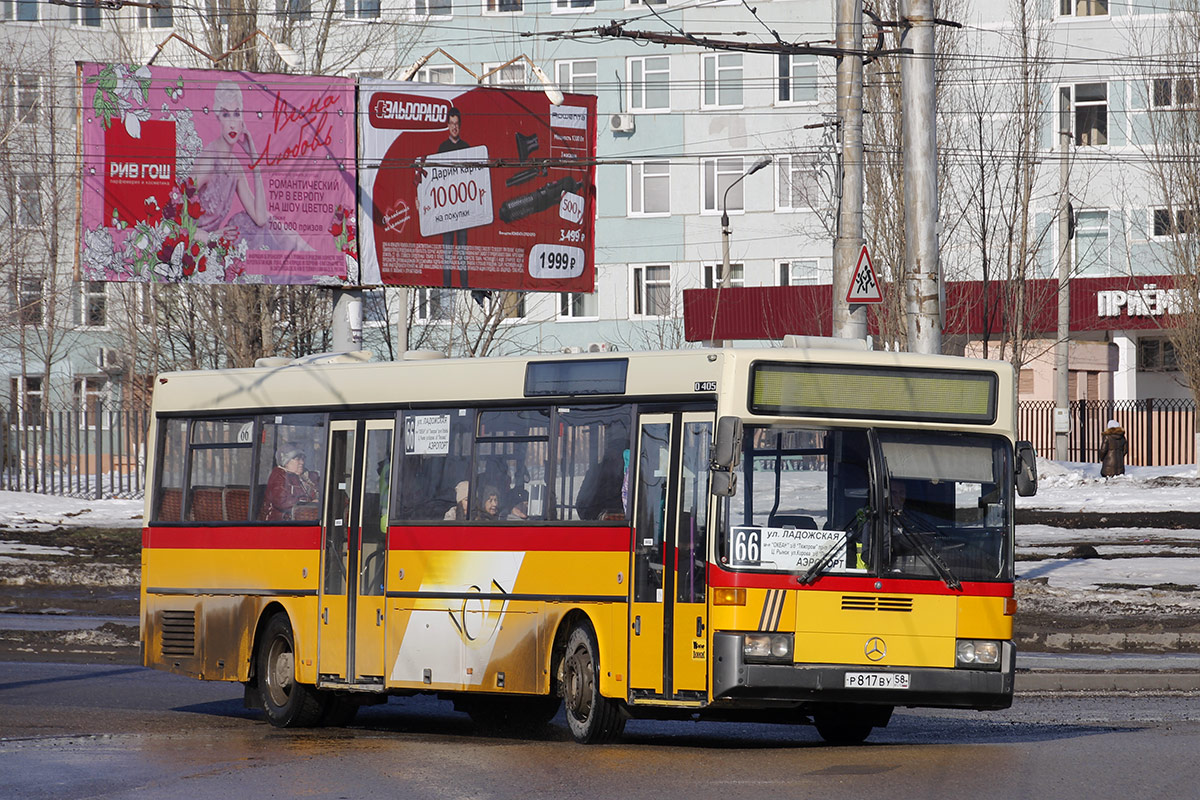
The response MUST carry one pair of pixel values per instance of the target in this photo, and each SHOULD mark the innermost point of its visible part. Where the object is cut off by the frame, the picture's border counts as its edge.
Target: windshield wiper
(909, 531)
(821, 564)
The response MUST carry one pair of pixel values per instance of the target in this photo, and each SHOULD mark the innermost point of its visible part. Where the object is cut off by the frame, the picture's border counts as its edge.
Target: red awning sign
(864, 287)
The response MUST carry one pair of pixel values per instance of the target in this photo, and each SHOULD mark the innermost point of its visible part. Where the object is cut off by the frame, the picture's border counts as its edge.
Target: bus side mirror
(727, 448)
(1026, 469)
(725, 455)
(723, 484)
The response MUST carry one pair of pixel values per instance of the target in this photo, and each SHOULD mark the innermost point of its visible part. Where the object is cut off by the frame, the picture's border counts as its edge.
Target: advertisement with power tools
(472, 187)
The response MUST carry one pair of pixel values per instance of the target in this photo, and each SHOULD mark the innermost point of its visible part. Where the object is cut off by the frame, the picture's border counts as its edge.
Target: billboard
(476, 187)
(205, 176)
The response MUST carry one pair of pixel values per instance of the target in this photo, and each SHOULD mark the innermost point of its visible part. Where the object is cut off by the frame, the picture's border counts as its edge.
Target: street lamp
(284, 51)
(725, 229)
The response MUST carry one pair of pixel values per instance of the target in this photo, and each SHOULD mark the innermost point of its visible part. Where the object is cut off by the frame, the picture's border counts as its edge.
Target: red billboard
(204, 176)
(476, 187)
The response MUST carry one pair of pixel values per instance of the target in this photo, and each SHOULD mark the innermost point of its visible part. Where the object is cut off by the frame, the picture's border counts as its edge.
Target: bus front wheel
(286, 702)
(847, 725)
(592, 718)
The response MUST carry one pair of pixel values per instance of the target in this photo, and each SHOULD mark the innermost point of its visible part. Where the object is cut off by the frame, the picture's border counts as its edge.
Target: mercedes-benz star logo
(875, 648)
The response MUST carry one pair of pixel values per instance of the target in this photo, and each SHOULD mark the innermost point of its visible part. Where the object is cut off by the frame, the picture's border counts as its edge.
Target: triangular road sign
(864, 286)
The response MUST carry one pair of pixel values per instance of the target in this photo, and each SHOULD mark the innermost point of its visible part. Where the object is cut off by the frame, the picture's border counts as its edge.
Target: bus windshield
(872, 502)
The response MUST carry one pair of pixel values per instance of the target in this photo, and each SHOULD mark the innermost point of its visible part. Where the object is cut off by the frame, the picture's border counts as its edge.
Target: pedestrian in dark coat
(1113, 447)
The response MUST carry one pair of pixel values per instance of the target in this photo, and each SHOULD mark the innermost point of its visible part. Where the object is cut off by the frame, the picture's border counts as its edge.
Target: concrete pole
(347, 320)
(401, 295)
(1062, 345)
(849, 322)
(923, 288)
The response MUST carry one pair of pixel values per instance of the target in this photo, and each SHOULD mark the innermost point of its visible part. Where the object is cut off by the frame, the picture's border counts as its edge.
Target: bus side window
(435, 459)
(592, 463)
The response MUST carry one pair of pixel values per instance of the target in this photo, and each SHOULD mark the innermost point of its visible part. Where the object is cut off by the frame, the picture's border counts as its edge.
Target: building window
(577, 305)
(21, 10)
(652, 291)
(719, 174)
(1088, 104)
(511, 75)
(27, 391)
(1173, 92)
(502, 6)
(1156, 355)
(87, 16)
(375, 308)
(645, 2)
(364, 9)
(162, 17)
(512, 305)
(715, 273)
(218, 12)
(28, 201)
(1091, 243)
(433, 304)
(1183, 222)
(93, 305)
(650, 189)
(26, 99)
(566, 6)
(29, 301)
(294, 10)
(796, 184)
(800, 272)
(439, 74)
(433, 8)
(89, 399)
(721, 84)
(797, 79)
(1083, 8)
(650, 83)
(577, 75)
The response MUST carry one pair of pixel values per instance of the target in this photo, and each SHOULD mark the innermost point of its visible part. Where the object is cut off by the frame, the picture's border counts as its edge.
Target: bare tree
(1174, 168)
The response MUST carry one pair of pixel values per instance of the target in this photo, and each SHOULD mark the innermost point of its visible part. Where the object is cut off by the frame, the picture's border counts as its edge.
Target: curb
(1109, 672)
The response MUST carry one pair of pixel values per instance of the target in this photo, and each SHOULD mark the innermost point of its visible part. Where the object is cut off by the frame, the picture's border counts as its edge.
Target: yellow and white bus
(813, 534)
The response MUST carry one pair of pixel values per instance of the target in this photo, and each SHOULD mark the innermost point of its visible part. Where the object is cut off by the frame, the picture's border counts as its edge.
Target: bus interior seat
(207, 504)
(798, 521)
(170, 504)
(237, 503)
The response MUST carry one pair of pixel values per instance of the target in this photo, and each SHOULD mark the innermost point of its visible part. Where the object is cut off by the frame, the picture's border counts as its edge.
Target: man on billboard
(454, 240)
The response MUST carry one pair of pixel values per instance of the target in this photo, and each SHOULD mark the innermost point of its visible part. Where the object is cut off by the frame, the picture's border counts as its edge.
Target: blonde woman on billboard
(227, 165)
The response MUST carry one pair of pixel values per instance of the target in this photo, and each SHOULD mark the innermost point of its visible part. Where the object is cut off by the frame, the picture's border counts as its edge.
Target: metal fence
(74, 453)
(1160, 432)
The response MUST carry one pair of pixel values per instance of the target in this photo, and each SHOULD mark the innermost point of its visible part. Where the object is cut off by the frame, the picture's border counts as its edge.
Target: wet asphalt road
(75, 731)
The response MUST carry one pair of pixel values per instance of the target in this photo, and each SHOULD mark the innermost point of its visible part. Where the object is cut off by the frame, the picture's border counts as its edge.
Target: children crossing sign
(864, 287)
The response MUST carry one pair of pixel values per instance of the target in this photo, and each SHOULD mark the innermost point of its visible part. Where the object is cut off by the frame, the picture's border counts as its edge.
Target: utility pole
(849, 322)
(1062, 346)
(923, 288)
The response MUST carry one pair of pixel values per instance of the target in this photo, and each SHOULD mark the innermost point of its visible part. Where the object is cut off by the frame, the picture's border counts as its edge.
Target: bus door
(668, 609)
(354, 564)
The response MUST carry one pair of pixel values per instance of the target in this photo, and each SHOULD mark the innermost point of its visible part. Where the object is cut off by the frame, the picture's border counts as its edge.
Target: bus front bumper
(734, 679)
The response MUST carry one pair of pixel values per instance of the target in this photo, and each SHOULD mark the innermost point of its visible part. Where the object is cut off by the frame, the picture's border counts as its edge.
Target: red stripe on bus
(281, 537)
(558, 538)
(718, 577)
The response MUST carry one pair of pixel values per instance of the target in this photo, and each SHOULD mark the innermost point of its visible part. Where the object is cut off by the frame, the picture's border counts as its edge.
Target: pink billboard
(203, 176)
(476, 187)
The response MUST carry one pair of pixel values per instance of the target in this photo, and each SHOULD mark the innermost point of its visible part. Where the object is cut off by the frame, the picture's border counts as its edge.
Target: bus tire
(843, 726)
(592, 718)
(286, 702)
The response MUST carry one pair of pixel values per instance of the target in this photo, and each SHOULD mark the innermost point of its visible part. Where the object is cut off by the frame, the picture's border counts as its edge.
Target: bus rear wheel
(286, 702)
(592, 718)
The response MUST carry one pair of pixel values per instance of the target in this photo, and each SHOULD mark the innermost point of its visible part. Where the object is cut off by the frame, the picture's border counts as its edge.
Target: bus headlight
(978, 653)
(775, 647)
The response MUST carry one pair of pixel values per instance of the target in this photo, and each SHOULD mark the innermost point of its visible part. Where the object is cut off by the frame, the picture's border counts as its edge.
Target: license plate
(876, 680)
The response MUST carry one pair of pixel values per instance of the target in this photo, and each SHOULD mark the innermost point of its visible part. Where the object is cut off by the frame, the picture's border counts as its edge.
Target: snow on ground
(1063, 486)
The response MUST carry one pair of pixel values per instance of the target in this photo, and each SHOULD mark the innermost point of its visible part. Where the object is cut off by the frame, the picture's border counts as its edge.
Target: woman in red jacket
(288, 485)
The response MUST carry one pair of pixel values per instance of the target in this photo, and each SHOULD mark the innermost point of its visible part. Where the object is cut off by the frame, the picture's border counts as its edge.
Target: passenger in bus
(520, 507)
(288, 486)
(458, 512)
(600, 495)
(489, 504)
